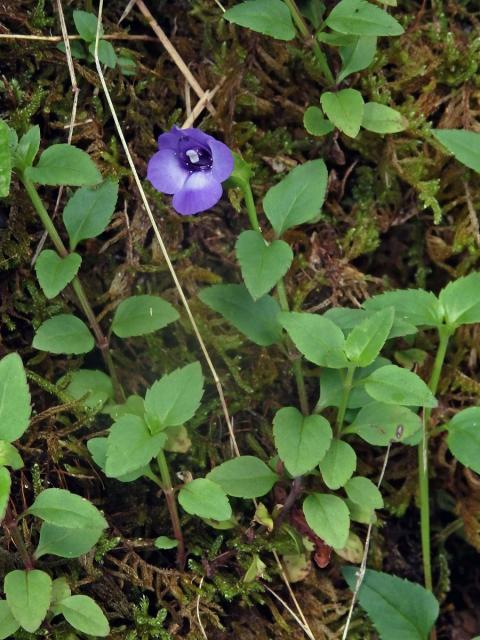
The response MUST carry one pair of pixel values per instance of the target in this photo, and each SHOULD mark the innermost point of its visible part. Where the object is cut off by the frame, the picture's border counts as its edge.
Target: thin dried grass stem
(363, 565)
(178, 60)
(159, 239)
(305, 629)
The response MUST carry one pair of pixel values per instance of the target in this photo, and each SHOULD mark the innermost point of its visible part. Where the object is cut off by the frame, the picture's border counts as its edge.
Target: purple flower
(191, 166)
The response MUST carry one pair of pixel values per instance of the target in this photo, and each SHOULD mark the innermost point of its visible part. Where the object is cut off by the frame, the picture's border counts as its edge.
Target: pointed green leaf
(379, 424)
(205, 499)
(54, 272)
(9, 456)
(328, 516)
(399, 609)
(64, 333)
(256, 319)
(357, 55)
(65, 509)
(27, 148)
(15, 406)
(65, 542)
(394, 385)
(382, 119)
(361, 18)
(416, 306)
(345, 109)
(130, 446)
(270, 17)
(174, 399)
(86, 25)
(298, 198)
(461, 300)
(89, 211)
(164, 542)
(465, 145)
(244, 477)
(28, 596)
(338, 464)
(93, 386)
(84, 614)
(362, 491)
(301, 441)
(64, 164)
(140, 315)
(366, 340)
(262, 264)
(464, 437)
(60, 590)
(316, 337)
(106, 53)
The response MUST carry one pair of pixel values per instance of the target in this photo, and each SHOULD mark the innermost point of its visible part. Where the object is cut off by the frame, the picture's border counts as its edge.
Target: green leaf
(244, 477)
(465, 145)
(140, 315)
(15, 406)
(328, 516)
(175, 398)
(5, 487)
(315, 123)
(313, 10)
(301, 441)
(345, 109)
(256, 319)
(362, 491)
(84, 614)
(357, 56)
(28, 596)
(164, 542)
(98, 450)
(382, 119)
(205, 499)
(399, 609)
(461, 301)
(394, 385)
(262, 264)
(131, 446)
(106, 53)
(347, 319)
(366, 340)
(8, 624)
(416, 306)
(93, 386)
(9, 456)
(338, 464)
(331, 386)
(60, 590)
(5, 160)
(464, 437)
(64, 164)
(270, 17)
(86, 25)
(297, 198)
(378, 423)
(27, 148)
(361, 18)
(316, 337)
(64, 333)
(64, 542)
(89, 211)
(68, 510)
(54, 272)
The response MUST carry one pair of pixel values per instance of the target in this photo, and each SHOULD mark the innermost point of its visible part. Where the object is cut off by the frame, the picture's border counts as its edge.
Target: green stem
(167, 488)
(102, 340)
(423, 486)
(347, 387)
(304, 30)
(296, 363)
(250, 204)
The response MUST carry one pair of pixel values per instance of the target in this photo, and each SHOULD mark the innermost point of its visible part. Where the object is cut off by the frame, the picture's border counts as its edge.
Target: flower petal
(222, 165)
(166, 172)
(197, 135)
(200, 192)
(170, 139)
